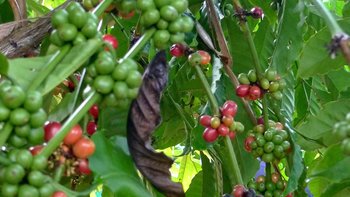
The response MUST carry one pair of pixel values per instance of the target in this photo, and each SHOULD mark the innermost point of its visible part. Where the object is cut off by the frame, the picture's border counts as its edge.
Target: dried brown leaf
(144, 117)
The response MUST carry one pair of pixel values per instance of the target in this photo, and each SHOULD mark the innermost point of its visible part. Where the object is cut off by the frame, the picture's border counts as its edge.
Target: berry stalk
(268, 171)
(48, 68)
(101, 7)
(141, 42)
(233, 159)
(265, 113)
(70, 123)
(328, 17)
(213, 103)
(216, 111)
(59, 172)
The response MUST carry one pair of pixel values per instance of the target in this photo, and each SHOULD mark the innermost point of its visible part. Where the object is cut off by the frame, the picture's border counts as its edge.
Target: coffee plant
(174, 98)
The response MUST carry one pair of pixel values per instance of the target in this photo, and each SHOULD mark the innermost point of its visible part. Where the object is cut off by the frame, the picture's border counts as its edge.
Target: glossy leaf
(24, 70)
(333, 162)
(290, 31)
(335, 188)
(320, 127)
(113, 164)
(315, 58)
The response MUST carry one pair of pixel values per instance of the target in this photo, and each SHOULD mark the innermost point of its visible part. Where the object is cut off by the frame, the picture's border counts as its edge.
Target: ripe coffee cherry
(74, 135)
(50, 130)
(247, 143)
(210, 135)
(238, 191)
(205, 120)
(223, 130)
(254, 92)
(83, 167)
(111, 40)
(205, 57)
(91, 127)
(227, 120)
(261, 120)
(257, 12)
(36, 149)
(242, 90)
(177, 50)
(94, 111)
(229, 108)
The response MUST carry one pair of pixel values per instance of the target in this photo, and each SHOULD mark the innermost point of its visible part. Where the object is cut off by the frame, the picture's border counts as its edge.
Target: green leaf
(116, 168)
(113, 121)
(4, 64)
(320, 127)
(172, 129)
(333, 162)
(346, 9)
(340, 79)
(64, 108)
(23, 70)
(334, 189)
(290, 39)
(169, 133)
(296, 166)
(315, 58)
(6, 14)
(240, 52)
(205, 183)
(264, 43)
(188, 169)
(195, 189)
(36, 7)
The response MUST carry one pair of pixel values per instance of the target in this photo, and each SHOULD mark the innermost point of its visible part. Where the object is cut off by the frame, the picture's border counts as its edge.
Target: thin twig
(344, 45)
(226, 57)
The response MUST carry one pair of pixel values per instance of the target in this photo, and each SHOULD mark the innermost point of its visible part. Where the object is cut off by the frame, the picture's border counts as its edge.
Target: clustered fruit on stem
(73, 25)
(252, 87)
(223, 125)
(23, 111)
(199, 57)
(73, 153)
(168, 18)
(270, 145)
(269, 188)
(255, 12)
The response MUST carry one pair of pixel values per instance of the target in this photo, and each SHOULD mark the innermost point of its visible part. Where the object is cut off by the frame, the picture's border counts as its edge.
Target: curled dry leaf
(144, 117)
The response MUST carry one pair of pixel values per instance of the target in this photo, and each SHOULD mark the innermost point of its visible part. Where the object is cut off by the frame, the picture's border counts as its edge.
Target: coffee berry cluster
(22, 114)
(223, 125)
(118, 83)
(270, 145)
(268, 188)
(342, 132)
(168, 18)
(253, 87)
(73, 25)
